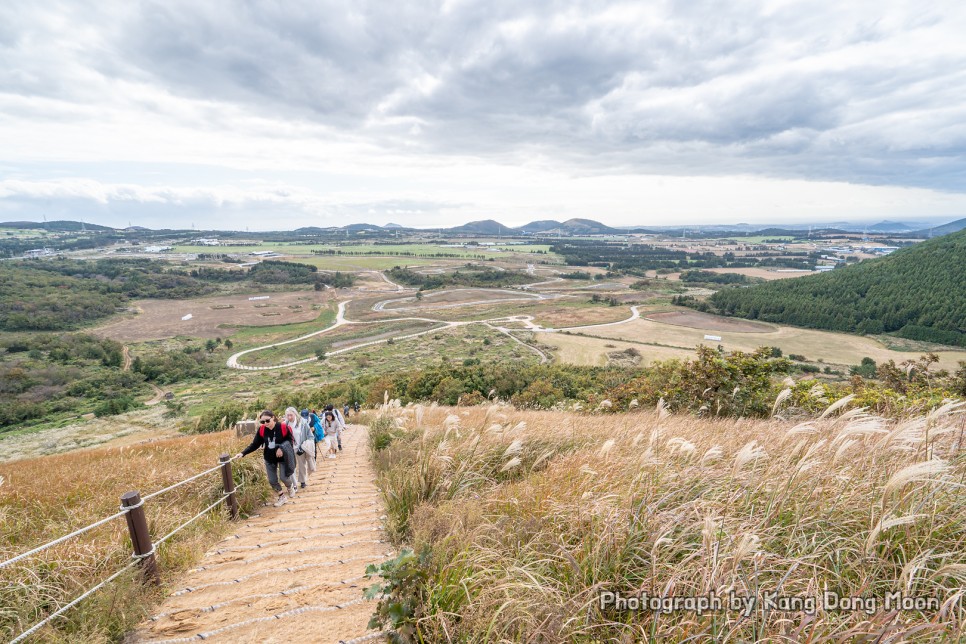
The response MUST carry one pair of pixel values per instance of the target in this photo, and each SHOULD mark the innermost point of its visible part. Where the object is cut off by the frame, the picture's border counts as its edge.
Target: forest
(633, 258)
(917, 293)
(472, 276)
(61, 294)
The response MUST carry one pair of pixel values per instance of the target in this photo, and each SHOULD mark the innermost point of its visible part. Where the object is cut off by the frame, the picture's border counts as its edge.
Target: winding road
(492, 323)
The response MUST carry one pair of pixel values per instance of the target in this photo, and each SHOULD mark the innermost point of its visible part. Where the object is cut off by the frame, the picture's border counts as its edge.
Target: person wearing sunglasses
(276, 440)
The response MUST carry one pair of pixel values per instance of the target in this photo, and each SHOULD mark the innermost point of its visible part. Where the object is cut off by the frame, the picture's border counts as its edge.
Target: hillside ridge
(917, 293)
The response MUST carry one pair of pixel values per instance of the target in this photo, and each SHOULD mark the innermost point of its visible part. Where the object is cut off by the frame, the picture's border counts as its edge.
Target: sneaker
(292, 490)
(302, 486)
(331, 456)
(281, 500)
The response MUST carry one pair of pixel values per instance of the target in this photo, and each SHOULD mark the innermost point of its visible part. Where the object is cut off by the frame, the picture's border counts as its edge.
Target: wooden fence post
(137, 525)
(229, 483)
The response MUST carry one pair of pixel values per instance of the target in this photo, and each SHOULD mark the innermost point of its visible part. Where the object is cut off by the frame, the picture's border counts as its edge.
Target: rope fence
(75, 533)
(132, 508)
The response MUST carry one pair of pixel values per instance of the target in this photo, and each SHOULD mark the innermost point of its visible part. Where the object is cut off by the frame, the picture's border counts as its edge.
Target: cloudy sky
(268, 115)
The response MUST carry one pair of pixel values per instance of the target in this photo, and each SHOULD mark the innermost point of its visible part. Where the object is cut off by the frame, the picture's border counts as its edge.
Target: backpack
(261, 430)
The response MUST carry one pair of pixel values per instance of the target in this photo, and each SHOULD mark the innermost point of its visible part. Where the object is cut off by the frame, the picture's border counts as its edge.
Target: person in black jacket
(279, 453)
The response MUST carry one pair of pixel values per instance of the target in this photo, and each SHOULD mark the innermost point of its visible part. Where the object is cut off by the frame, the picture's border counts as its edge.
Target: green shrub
(218, 418)
(114, 406)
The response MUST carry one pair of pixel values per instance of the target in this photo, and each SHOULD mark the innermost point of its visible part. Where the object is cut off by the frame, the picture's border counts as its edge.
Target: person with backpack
(345, 410)
(304, 440)
(356, 407)
(278, 451)
(316, 424)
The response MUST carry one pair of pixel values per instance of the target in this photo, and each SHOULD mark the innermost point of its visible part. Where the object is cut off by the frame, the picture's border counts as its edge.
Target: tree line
(472, 276)
(62, 294)
(917, 293)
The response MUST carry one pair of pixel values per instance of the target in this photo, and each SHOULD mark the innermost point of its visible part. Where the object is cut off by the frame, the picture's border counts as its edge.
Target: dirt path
(126, 352)
(293, 573)
(159, 394)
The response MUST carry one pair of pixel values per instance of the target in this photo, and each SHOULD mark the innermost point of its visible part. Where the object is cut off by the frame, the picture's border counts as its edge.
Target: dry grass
(526, 517)
(159, 319)
(834, 348)
(44, 498)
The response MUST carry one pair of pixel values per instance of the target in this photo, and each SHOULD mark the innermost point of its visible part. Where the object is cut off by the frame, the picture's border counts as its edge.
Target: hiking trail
(292, 573)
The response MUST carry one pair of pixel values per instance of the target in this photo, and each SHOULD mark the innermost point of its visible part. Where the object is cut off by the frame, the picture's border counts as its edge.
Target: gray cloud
(858, 92)
(261, 208)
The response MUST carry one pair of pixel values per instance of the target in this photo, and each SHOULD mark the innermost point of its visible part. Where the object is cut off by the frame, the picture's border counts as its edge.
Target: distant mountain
(484, 227)
(917, 293)
(392, 226)
(136, 229)
(890, 227)
(355, 228)
(313, 230)
(56, 226)
(541, 226)
(588, 227)
(938, 231)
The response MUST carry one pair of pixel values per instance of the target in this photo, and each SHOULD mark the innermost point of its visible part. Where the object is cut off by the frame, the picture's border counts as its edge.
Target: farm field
(696, 320)
(158, 319)
(833, 348)
(593, 351)
(342, 338)
(764, 273)
(419, 250)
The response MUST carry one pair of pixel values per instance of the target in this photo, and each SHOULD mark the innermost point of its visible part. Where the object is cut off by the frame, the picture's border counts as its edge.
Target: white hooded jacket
(301, 431)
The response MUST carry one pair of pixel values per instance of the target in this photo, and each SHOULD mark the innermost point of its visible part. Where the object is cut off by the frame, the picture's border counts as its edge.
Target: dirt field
(764, 273)
(833, 348)
(579, 350)
(698, 320)
(559, 317)
(159, 319)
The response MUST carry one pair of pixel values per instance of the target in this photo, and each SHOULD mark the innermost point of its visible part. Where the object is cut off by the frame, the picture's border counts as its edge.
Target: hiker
(341, 423)
(304, 445)
(316, 424)
(331, 425)
(279, 453)
(345, 410)
(356, 407)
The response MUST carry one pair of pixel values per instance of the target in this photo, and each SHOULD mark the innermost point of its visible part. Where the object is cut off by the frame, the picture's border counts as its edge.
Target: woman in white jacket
(304, 438)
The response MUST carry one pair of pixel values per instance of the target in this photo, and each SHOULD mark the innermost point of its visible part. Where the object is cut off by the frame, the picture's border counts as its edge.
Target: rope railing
(184, 482)
(132, 508)
(63, 609)
(66, 537)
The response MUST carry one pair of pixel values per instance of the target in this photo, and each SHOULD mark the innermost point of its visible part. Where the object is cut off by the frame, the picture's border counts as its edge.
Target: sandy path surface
(293, 573)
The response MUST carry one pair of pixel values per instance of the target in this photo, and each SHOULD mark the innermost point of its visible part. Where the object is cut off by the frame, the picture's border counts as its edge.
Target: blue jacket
(316, 427)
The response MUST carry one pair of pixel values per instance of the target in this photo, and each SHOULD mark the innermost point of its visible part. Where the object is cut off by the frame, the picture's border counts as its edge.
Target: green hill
(917, 293)
(56, 226)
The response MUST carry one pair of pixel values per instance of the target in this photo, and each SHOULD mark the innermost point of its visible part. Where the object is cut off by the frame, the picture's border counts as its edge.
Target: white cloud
(619, 111)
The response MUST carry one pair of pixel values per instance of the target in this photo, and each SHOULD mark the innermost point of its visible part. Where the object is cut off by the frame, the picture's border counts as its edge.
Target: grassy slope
(82, 487)
(527, 516)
